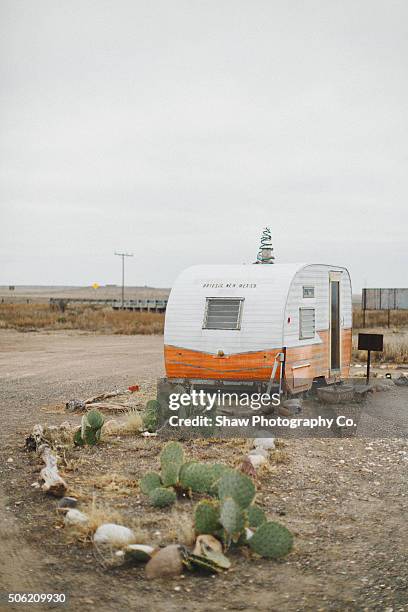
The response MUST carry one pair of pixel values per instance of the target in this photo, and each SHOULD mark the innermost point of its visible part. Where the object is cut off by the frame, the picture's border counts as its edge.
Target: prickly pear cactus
(256, 516)
(94, 419)
(78, 441)
(207, 517)
(197, 477)
(271, 540)
(218, 470)
(161, 497)
(171, 460)
(149, 482)
(238, 486)
(91, 427)
(151, 416)
(232, 518)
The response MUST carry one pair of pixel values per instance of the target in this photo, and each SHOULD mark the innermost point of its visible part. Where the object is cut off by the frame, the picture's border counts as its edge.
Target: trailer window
(307, 323)
(223, 313)
(308, 292)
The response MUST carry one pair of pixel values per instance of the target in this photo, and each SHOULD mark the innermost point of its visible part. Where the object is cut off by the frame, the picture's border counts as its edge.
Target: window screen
(306, 323)
(223, 313)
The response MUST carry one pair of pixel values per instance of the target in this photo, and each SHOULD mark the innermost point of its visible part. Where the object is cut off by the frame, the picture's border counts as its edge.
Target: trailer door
(335, 327)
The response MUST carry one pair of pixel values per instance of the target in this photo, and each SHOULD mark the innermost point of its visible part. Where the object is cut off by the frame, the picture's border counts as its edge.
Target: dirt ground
(345, 500)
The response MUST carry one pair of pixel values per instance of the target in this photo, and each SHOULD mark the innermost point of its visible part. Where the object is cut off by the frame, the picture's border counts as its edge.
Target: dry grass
(100, 515)
(26, 317)
(133, 422)
(395, 336)
(181, 528)
(379, 318)
(280, 456)
(394, 352)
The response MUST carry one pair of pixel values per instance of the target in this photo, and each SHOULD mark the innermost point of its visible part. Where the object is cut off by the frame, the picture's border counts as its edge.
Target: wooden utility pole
(123, 255)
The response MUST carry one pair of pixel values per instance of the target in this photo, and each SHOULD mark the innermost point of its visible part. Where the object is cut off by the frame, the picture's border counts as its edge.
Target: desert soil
(345, 500)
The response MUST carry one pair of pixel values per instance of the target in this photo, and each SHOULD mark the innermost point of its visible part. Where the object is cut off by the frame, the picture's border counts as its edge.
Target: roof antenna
(265, 253)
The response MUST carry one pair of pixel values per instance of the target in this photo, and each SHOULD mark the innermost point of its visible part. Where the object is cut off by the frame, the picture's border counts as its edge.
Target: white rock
(75, 517)
(117, 535)
(259, 451)
(266, 443)
(138, 553)
(257, 460)
(249, 533)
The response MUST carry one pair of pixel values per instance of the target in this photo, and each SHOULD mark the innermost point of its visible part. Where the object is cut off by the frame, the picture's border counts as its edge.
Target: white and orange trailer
(257, 324)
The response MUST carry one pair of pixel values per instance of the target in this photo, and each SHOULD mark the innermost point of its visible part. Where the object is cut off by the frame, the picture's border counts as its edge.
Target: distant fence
(147, 305)
(384, 299)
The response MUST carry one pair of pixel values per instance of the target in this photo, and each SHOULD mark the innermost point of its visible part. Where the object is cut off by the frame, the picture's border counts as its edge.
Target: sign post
(370, 342)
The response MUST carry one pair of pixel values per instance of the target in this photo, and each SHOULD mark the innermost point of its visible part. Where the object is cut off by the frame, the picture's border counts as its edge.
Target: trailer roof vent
(265, 253)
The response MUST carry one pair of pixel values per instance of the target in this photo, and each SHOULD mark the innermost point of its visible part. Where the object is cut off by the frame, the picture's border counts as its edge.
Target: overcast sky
(178, 129)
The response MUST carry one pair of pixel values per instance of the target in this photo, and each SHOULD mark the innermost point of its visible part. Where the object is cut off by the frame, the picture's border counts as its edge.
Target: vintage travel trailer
(257, 324)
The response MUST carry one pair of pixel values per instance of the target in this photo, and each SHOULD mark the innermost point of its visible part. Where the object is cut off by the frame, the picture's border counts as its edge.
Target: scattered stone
(166, 562)
(248, 533)
(10, 460)
(75, 404)
(247, 468)
(115, 535)
(383, 385)
(259, 451)
(75, 517)
(401, 380)
(336, 394)
(257, 460)
(139, 553)
(206, 542)
(293, 405)
(67, 502)
(265, 443)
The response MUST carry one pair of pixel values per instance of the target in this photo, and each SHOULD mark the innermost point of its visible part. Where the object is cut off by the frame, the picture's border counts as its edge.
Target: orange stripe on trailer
(185, 363)
(255, 365)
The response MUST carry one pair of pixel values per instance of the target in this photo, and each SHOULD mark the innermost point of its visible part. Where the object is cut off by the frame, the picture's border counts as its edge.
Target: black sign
(370, 342)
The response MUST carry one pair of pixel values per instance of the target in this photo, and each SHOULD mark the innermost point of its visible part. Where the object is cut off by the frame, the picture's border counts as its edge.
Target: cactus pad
(161, 497)
(94, 419)
(150, 482)
(256, 516)
(238, 486)
(91, 425)
(271, 540)
(207, 517)
(232, 518)
(171, 460)
(197, 477)
(78, 441)
(150, 420)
